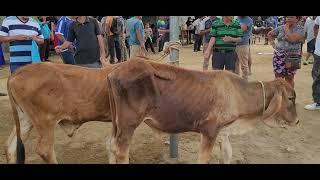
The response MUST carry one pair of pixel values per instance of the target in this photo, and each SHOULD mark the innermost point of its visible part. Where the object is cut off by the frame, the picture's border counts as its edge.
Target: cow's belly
(174, 119)
(239, 127)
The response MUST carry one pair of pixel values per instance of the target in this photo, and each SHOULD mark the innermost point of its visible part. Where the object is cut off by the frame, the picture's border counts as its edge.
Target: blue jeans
(16, 66)
(67, 57)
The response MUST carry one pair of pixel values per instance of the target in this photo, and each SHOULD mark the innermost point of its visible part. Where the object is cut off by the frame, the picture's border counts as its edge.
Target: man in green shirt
(224, 35)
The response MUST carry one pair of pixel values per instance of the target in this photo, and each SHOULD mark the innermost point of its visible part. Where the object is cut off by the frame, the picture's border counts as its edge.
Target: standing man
(61, 31)
(197, 35)
(114, 28)
(163, 26)
(20, 31)
(311, 38)
(242, 48)
(90, 46)
(316, 70)
(136, 36)
(224, 35)
(205, 30)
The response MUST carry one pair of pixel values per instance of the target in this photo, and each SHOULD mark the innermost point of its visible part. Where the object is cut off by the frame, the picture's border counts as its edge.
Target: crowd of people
(93, 41)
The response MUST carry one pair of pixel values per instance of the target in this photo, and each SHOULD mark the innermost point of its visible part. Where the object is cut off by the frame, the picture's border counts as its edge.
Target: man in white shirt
(316, 70)
(308, 29)
(197, 37)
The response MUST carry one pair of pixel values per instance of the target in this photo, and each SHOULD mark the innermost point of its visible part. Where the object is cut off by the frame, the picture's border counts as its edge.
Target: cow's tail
(20, 146)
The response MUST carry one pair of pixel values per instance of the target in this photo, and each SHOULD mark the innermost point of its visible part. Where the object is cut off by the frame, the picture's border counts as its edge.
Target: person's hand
(33, 37)
(206, 54)
(103, 61)
(58, 49)
(21, 37)
(273, 44)
(143, 50)
(227, 39)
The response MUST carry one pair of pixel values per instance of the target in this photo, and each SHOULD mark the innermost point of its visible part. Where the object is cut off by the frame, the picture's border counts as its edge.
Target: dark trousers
(161, 44)
(114, 48)
(224, 60)
(67, 57)
(127, 46)
(197, 42)
(149, 43)
(316, 79)
(44, 50)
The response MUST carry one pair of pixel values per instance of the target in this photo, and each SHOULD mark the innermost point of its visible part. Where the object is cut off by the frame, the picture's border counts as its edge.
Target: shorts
(311, 46)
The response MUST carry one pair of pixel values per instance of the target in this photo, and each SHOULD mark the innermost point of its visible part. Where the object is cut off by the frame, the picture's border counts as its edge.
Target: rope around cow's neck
(168, 46)
(264, 97)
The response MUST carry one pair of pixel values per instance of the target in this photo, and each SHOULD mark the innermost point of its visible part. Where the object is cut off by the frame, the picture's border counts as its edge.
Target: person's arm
(203, 32)
(39, 39)
(101, 43)
(137, 28)
(4, 33)
(232, 39)
(316, 26)
(63, 46)
(59, 33)
(4, 39)
(67, 43)
(316, 30)
(237, 39)
(213, 34)
(293, 36)
(102, 51)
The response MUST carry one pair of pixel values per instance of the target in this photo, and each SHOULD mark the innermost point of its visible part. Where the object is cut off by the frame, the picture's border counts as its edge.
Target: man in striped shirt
(224, 35)
(62, 30)
(20, 31)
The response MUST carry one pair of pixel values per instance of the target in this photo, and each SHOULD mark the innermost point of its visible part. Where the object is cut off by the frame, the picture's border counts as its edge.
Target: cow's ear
(274, 106)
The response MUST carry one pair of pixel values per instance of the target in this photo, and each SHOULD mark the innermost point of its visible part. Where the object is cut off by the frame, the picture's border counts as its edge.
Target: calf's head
(282, 107)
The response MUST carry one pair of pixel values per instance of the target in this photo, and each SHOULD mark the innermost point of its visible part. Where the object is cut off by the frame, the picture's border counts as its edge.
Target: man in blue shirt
(62, 30)
(242, 48)
(20, 31)
(136, 36)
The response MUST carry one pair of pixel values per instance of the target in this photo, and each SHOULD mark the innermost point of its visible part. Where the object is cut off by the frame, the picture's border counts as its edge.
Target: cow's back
(73, 92)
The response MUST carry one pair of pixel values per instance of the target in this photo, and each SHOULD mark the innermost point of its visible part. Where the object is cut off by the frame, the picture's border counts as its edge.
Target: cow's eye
(291, 98)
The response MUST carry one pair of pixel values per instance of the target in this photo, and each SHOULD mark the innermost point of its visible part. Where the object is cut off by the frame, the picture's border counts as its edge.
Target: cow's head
(282, 106)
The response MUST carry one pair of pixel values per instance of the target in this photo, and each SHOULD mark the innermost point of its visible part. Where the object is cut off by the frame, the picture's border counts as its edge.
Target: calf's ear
(274, 106)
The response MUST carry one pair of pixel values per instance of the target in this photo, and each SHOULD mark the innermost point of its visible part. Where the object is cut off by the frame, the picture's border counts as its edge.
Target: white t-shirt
(197, 24)
(317, 49)
(203, 23)
(308, 28)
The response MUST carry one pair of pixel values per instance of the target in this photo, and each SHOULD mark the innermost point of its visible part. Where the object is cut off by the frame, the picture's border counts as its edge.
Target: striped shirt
(62, 27)
(219, 30)
(20, 50)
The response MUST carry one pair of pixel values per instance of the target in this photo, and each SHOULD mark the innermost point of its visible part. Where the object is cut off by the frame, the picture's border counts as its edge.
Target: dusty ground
(262, 145)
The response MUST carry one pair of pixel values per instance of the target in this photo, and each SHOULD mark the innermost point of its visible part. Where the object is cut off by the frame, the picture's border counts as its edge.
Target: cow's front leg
(225, 149)
(205, 149)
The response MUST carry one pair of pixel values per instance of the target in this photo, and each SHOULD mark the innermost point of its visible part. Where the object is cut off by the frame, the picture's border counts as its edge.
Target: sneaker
(305, 63)
(310, 62)
(312, 107)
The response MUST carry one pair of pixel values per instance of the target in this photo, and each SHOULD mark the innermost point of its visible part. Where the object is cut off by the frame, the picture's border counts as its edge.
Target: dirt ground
(262, 145)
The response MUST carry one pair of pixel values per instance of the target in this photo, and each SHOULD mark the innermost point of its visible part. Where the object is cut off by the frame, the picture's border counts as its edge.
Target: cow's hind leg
(225, 149)
(45, 146)
(11, 144)
(119, 146)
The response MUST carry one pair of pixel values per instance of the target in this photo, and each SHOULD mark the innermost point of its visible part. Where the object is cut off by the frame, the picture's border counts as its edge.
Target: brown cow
(45, 94)
(175, 100)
